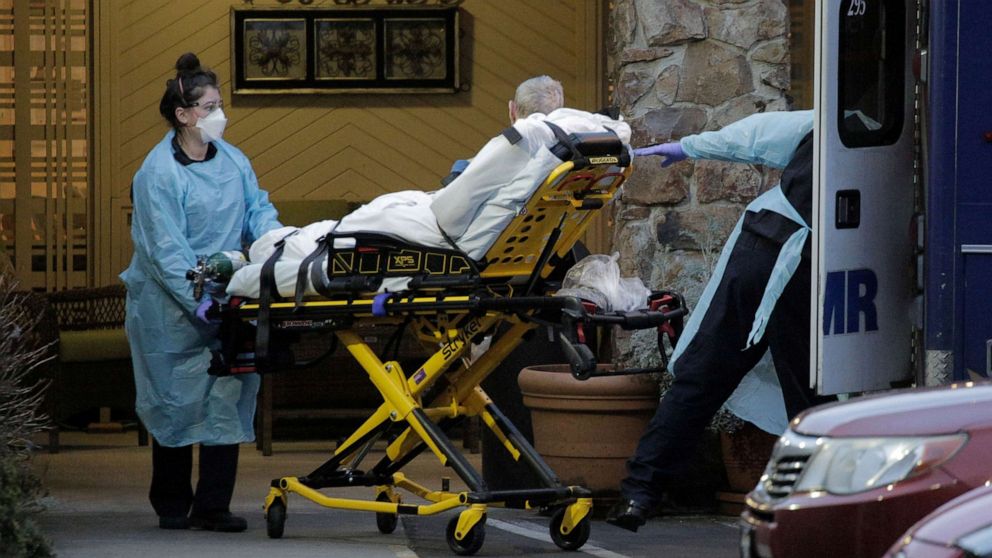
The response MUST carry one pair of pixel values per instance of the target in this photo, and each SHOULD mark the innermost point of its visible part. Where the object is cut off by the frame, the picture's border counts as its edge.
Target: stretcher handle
(525, 303)
(443, 282)
(638, 319)
(580, 358)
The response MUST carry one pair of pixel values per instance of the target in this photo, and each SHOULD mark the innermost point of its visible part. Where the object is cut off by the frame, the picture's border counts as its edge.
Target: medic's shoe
(218, 521)
(628, 514)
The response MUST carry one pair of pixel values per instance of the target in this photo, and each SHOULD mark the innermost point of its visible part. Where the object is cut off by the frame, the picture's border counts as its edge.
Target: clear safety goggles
(209, 106)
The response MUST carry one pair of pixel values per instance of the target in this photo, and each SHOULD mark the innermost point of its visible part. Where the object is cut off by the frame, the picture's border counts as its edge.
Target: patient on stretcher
(468, 214)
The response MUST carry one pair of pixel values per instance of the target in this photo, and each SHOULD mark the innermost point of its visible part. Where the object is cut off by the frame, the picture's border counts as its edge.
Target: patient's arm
(457, 206)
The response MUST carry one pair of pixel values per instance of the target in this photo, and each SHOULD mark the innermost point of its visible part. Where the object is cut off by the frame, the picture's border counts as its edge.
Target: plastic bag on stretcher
(596, 278)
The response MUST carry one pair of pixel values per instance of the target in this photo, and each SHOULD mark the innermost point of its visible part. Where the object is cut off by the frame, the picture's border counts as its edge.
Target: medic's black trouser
(714, 362)
(171, 493)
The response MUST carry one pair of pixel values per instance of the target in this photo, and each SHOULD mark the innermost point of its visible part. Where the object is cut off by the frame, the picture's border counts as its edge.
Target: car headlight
(850, 465)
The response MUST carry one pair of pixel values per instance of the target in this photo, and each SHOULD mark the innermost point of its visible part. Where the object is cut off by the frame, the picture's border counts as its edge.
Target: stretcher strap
(301, 275)
(319, 279)
(512, 135)
(379, 304)
(449, 240)
(317, 275)
(267, 289)
(578, 159)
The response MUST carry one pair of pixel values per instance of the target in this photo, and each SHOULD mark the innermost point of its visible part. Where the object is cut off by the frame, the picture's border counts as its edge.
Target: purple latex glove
(201, 311)
(671, 151)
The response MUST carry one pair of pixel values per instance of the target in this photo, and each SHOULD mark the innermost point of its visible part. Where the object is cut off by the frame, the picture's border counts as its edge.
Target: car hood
(961, 516)
(909, 412)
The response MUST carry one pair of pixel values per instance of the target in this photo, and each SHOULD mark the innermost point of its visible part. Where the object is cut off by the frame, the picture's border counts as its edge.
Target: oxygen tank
(220, 266)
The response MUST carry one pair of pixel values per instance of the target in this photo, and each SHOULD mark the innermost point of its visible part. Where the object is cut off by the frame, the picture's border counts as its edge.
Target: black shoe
(177, 522)
(218, 521)
(628, 514)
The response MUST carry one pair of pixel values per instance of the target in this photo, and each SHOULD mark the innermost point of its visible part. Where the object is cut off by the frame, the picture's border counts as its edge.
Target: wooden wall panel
(44, 142)
(336, 146)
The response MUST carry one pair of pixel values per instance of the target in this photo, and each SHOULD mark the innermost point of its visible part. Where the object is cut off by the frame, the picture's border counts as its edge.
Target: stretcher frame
(420, 405)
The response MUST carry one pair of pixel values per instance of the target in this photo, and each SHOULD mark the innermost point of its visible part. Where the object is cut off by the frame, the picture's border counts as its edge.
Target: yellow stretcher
(451, 302)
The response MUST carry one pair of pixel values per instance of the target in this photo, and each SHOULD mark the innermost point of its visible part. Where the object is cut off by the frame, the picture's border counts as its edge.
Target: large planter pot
(586, 430)
(745, 455)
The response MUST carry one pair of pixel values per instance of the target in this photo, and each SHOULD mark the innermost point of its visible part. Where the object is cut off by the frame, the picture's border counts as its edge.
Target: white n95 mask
(212, 125)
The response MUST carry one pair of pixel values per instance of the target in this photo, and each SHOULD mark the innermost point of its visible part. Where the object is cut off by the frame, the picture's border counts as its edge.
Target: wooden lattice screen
(44, 146)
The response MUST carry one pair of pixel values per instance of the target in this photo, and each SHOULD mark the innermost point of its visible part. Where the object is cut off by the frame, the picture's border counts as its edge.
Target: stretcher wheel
(386, 522)
(275, 519)
(471, 542)
(573, 540)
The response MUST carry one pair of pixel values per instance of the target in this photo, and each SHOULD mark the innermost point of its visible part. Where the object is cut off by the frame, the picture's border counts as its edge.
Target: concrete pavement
(97, 507)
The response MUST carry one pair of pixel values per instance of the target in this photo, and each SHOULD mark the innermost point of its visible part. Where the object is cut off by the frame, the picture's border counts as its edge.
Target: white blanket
(473, 209)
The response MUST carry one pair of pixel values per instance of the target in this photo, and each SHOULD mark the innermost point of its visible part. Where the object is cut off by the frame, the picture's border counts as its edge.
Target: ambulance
(902, 273)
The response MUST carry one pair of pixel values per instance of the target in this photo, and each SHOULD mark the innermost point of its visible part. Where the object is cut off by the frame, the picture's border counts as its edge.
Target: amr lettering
(849, 302)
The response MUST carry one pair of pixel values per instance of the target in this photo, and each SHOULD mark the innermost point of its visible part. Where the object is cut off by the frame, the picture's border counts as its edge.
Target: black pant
(171, 493)
(714, 363)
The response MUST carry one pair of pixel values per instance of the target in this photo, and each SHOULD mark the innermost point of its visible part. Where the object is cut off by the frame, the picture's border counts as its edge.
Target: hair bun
(187, 63)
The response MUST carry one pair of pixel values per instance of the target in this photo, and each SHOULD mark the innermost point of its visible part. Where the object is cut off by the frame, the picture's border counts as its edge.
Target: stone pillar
(679, 67)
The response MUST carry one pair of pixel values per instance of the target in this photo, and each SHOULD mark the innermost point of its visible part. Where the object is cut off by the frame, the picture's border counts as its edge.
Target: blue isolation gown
(181, 211)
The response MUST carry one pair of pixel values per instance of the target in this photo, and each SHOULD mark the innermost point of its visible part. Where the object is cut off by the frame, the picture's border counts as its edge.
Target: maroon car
(961, 528)
(848, 479)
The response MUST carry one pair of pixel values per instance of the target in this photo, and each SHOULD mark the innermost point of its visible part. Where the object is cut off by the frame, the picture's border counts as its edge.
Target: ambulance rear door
(863, 203)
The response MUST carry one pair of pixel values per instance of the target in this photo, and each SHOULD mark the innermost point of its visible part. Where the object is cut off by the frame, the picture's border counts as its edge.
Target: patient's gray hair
(538, 94)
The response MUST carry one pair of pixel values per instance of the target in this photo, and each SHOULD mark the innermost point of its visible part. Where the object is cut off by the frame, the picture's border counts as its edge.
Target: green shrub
(19, 493)
(23, 353)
